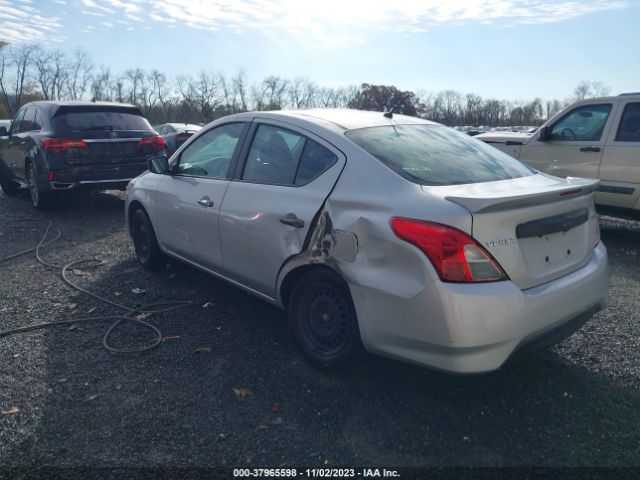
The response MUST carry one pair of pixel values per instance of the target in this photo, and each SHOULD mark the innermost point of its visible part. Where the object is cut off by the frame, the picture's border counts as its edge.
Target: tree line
(30, 72)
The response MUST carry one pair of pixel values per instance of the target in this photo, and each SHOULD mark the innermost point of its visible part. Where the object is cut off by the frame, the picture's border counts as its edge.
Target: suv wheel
(324, 319)
(39, 198)
(145, 243)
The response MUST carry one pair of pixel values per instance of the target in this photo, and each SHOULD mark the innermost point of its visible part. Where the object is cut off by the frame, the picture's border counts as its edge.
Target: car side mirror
(159, 165)
(543, 134)
(3, 132)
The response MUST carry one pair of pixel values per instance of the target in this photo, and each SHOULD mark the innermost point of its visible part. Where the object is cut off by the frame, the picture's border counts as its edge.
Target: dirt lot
(78, 405)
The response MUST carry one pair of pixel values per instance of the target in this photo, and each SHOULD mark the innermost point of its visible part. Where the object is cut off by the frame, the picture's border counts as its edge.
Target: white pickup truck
(594, 138)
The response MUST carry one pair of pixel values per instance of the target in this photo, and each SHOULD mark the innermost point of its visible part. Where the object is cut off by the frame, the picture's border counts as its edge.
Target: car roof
(53, 105)
(343, 118)
(623, 96)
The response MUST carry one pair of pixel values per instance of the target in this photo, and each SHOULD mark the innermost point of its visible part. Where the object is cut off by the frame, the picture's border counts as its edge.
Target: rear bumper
(466, 328)
(109, 184)
(97, 177)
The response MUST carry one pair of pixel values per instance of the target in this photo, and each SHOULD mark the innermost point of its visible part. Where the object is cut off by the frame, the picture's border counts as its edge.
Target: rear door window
(274, 156)
(582, 124)
(96, 119)
(28, 120)
(282, 157)
(629, 129)
(37, 123)
(437, 155)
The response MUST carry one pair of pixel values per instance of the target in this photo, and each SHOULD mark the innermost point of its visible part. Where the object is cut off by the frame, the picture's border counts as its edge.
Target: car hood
(504, 137)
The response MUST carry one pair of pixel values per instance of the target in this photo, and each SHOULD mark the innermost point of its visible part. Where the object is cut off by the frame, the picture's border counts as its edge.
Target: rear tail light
(154, 141)
(455, 255)
(50, 175)
(182, 137)
(61, 145)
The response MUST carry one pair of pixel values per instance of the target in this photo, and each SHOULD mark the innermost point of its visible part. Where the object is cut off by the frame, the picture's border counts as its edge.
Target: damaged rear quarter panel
(352, 233)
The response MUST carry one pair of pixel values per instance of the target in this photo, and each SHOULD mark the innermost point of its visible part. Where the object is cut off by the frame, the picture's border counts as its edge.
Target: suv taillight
(155, 141)
(61, 145)
(455, 255)
(183, 137)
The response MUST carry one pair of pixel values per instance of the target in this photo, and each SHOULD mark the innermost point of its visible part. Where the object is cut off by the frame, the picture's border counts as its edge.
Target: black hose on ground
(90, 263)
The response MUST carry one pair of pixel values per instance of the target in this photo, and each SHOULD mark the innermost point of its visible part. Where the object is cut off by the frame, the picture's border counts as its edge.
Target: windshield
(99, 119)
(437, 155)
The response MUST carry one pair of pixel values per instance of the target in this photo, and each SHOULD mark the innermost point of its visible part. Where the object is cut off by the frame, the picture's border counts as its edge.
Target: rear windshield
(437, 155)
(99, 118)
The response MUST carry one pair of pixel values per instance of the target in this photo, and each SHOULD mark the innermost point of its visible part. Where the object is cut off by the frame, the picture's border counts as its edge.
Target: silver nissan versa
(380, 231)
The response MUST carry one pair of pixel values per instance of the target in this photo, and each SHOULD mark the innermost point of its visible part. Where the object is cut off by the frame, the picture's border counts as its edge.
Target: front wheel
(324, 319)
(145, 243)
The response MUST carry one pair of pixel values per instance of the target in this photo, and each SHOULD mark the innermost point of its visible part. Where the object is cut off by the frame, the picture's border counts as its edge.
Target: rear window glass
(437, 155)
(103, 119)
(629, 130)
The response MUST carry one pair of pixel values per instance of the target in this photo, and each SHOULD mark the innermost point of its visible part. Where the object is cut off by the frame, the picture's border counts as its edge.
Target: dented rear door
(268, 210)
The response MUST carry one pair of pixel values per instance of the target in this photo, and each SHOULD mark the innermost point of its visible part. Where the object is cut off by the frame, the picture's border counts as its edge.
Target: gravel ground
(228, 386)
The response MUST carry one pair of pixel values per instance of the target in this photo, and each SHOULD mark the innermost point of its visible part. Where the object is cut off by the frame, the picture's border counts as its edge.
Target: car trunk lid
(538, 227)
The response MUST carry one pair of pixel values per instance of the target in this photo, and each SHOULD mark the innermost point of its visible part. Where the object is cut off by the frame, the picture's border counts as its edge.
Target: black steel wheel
(145, 243)
(324, 319)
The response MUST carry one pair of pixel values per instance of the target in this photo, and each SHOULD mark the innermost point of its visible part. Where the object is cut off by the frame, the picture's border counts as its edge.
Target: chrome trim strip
(111, 140)
(82, 182)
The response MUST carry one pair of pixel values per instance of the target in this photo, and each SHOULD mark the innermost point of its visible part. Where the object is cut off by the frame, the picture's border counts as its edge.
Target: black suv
(58, 146)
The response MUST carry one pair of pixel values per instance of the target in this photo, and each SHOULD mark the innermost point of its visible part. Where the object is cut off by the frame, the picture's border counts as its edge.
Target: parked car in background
(388, 231)
(594, 138)
(175, 134)
(4, 127)
(54, 147)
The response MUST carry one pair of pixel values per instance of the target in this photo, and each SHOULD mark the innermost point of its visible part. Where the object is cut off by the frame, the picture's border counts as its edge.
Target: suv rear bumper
(108, 184)
(466, 328)
(97, 177)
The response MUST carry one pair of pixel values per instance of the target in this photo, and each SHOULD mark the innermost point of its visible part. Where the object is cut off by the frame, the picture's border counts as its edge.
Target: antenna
(388, 112)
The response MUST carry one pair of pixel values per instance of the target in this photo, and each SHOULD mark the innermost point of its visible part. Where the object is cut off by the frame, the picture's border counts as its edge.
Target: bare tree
(302, 93)
(587, 89)
(101, 84)
(79, 77)
(18, 59)
(239, 82)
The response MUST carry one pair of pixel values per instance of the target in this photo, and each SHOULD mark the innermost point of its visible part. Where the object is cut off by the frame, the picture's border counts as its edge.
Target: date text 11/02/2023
(315, 473)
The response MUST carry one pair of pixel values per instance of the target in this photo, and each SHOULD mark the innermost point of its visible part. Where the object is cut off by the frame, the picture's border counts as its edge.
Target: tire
(324, 320)
(145, 243)
(8, 186)
(40, 199)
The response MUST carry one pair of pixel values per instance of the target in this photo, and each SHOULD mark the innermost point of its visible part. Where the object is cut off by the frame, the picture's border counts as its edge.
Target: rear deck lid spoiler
(516, 193)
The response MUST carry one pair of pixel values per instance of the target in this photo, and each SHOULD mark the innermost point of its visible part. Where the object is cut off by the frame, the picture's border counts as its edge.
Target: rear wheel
(324, 319)
(39, 198)
(145, 243)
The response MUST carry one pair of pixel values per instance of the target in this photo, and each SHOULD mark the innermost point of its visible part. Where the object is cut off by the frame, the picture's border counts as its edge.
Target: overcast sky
(496, 48)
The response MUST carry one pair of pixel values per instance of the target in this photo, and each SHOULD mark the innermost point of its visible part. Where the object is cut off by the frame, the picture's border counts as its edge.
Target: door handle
(590, 149)
(205, 202)
(291, 219)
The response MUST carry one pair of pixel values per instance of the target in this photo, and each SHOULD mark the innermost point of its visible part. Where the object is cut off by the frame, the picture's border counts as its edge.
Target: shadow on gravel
(228, 387)
(176, 405)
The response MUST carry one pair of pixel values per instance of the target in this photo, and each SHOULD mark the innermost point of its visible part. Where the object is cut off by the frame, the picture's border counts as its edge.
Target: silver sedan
(380, 231)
